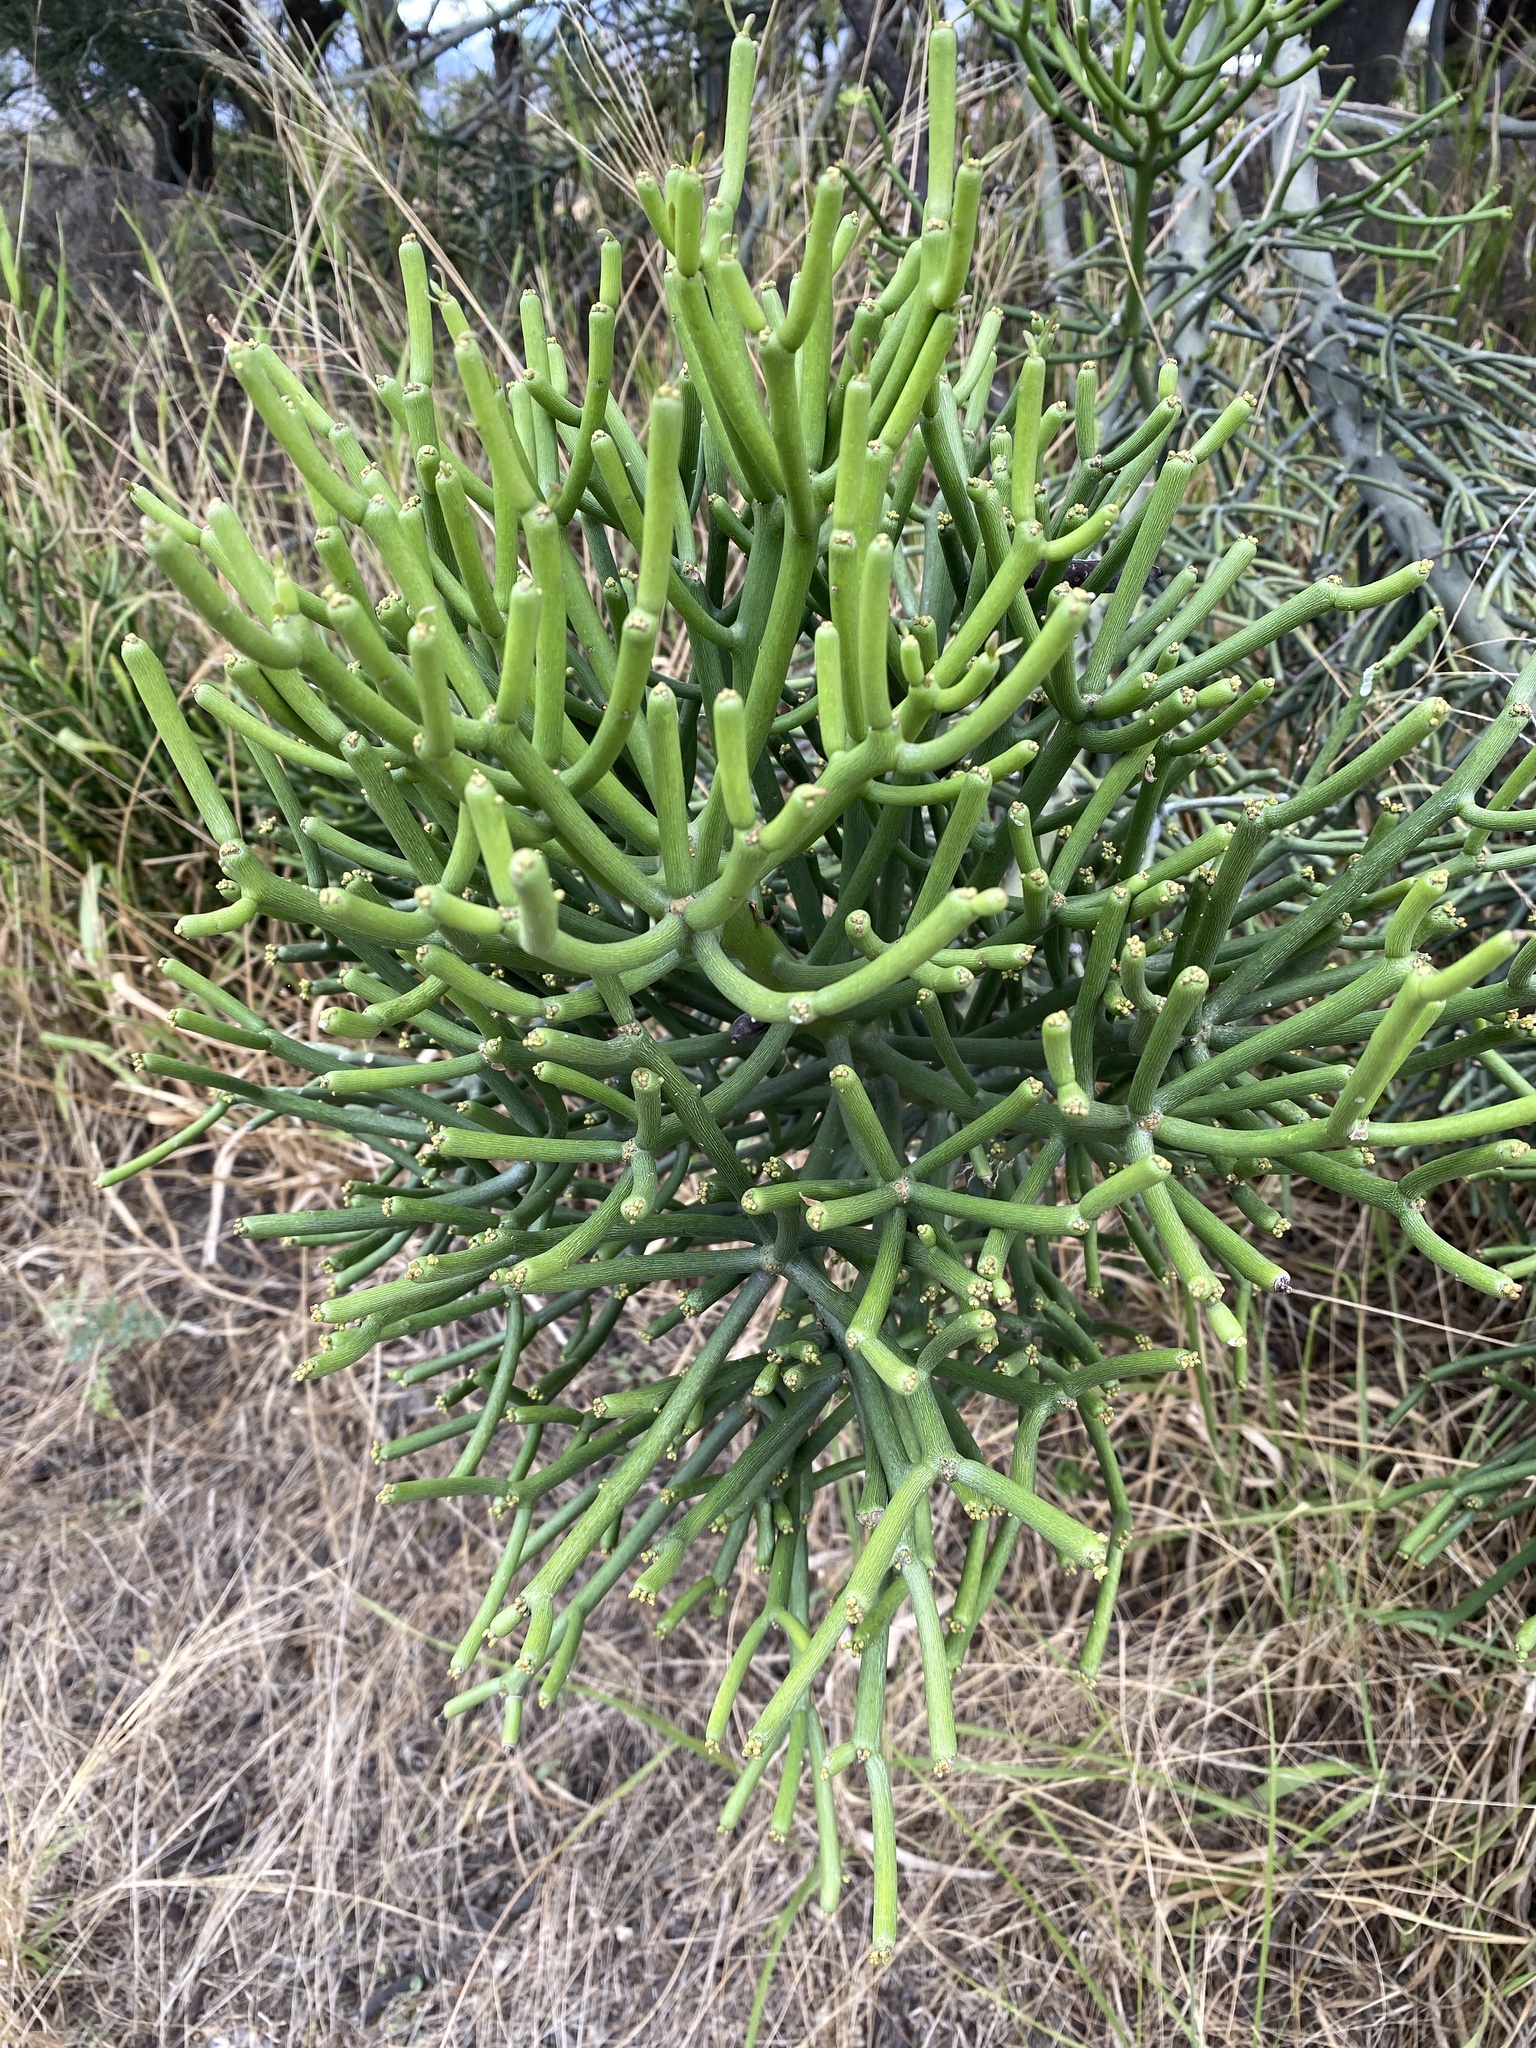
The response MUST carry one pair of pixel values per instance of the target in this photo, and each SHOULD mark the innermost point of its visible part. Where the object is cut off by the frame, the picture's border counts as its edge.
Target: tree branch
(1358, 433)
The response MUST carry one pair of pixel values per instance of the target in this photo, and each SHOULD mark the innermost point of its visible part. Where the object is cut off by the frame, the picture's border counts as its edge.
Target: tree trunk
(182, 132)
(1364, 39)
(1344, 410)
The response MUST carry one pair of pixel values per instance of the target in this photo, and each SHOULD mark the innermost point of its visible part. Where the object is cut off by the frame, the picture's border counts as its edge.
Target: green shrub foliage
(858, 913)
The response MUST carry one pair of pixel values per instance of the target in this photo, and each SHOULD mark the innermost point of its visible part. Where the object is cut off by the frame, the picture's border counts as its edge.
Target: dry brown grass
(232, 1815)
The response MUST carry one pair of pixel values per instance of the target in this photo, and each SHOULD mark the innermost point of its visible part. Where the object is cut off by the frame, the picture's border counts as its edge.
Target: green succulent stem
(816, 848)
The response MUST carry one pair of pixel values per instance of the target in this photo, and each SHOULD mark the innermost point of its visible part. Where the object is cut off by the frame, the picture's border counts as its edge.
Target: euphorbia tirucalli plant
(804, 855)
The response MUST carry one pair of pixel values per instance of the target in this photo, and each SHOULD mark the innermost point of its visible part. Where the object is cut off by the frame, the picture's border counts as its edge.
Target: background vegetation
(1297, 1805)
